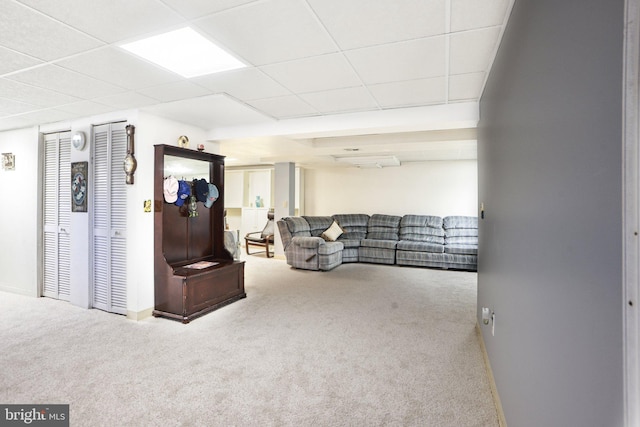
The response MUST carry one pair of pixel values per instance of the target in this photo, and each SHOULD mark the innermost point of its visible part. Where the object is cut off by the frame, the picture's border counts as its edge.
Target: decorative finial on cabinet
(130, 162)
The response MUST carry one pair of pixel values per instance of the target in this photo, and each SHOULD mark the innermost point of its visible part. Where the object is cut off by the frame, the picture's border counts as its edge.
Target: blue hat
(184, 191)
(212, 196)
(201, 189)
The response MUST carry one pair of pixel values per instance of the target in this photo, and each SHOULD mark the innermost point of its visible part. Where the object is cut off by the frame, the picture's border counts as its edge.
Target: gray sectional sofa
(414, 240)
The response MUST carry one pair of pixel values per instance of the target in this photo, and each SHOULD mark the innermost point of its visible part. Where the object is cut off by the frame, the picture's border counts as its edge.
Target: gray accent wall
(550, 179)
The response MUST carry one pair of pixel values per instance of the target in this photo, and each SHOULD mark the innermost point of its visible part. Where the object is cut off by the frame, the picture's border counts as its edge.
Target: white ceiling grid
(305, 58)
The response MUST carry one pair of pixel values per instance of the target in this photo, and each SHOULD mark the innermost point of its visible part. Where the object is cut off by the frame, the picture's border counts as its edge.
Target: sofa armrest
(308, 242)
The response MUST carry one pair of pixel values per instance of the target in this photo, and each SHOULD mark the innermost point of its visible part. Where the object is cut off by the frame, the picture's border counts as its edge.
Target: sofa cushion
(381, 244)
(421, 221)
(383, 227)
(354, 226)
(405, 245)
(297, 226)
(350, 243)
(318, 224)
(425, 231)
(421, 238)
(460, 222)
(462, 232)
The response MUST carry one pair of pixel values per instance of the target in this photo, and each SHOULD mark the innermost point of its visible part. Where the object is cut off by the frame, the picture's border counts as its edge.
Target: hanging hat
(170, 189)
(212, 196)
(201, 188)
(184, 191)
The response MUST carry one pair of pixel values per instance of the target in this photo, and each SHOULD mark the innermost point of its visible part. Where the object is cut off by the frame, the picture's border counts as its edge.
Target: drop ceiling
(310, 62)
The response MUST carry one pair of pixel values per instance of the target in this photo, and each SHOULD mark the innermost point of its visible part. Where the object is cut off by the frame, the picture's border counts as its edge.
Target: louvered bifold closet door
(110, 221)
(57, 215)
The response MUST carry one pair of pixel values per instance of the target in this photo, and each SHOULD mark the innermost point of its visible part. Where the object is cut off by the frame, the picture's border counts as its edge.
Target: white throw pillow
(332, 233)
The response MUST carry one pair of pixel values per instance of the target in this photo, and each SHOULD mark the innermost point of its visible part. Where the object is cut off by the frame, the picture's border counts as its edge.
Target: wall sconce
(130, 163)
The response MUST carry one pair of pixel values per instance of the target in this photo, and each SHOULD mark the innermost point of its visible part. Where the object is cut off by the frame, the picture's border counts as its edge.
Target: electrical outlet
(485, 315)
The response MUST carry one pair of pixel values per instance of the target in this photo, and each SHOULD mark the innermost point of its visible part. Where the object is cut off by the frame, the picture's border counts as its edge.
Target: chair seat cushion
(330, 248)
(405, 245)
(381, 244)
(257, 239)
(350, 243)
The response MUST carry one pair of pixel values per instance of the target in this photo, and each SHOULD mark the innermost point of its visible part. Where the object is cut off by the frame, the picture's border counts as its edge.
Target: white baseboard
(492, 382)
(139, 315)
(19, 291)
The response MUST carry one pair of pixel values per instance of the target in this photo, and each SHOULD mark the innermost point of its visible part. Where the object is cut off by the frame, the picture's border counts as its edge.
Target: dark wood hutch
(182, 292)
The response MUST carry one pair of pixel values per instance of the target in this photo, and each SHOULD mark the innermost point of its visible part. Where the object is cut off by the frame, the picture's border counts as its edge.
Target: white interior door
(57, 216)
(109, 218)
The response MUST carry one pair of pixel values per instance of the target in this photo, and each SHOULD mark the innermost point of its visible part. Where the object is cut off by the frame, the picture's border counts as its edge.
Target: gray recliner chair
(305, 251)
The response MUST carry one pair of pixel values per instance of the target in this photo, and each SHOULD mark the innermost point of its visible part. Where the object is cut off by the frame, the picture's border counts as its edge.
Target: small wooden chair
(262, 238)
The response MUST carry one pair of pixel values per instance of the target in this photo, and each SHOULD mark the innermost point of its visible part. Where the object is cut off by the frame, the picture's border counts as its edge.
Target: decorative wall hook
(130, 162)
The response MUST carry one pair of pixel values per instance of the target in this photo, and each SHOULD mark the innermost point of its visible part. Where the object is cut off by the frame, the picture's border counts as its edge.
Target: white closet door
(57, 215)
(109, 218)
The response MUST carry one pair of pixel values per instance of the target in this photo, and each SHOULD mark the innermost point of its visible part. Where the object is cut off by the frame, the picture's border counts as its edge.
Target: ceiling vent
(370, 161)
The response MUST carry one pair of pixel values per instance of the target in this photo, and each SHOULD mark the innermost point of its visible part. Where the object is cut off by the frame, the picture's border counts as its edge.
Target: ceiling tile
(8, 106)
(208, 112)
(197, 8)
(119, 68)
(286, 30)
(472, 51)
(127, 100)
(42, 117)
(464, 87)
(12, 61)
(359, 23)
(245, 84)
(284, 107)
(324, 72)
(341, 100)
(33, 95)
(175, 91)
(32, 33)
(410, 60)
(65, 81)
(111, 20)
(85, 108)
(410, 93)
(473, 14)
(15, 122)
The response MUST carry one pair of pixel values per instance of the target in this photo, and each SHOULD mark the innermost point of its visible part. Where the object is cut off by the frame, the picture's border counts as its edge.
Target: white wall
(19, 213)
(439, 188)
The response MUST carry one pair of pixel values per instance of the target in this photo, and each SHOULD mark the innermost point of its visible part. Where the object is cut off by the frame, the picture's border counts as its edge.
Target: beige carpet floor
(362, 345)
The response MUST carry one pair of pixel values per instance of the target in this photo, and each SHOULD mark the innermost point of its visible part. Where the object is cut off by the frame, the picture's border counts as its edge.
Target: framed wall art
(79, 186)
(8, 161)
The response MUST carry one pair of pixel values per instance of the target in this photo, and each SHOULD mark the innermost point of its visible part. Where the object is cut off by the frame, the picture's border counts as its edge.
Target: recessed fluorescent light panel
(184, 52)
